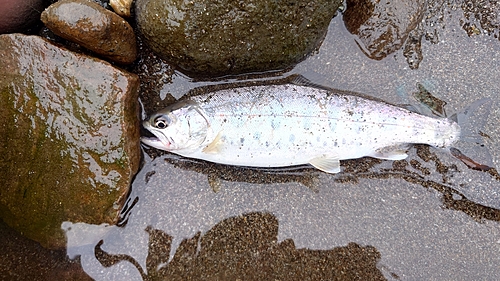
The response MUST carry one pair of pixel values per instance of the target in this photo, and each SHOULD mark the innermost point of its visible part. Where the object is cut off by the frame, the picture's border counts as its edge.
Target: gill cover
(182, 126)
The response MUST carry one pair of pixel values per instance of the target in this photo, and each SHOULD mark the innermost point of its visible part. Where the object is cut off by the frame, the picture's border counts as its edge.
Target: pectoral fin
(215, 146)
(326, 164)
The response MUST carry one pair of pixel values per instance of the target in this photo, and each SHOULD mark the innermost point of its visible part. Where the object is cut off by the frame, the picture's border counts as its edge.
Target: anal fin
(326, 164)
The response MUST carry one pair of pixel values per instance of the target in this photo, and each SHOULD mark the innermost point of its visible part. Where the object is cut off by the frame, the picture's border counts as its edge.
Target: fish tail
(472, 120)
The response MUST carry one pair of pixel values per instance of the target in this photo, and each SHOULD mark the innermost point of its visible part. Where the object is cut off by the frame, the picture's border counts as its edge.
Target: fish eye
(161, 122)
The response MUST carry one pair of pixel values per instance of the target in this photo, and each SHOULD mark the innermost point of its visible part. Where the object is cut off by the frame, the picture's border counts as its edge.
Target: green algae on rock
(69, 138)
(216, 38)
(93, 27)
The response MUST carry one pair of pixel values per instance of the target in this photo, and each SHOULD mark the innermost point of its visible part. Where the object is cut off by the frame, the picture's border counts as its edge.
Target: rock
(121, 7)
(18, 15)
(25, 259)
(382, 26)
(69, 138)
(215, 38)
(93, 27)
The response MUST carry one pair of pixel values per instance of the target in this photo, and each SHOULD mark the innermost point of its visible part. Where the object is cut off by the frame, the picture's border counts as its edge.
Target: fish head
(180, 127)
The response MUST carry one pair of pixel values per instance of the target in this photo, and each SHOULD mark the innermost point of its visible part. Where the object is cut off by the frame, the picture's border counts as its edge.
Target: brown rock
(41, 264)
(121, 7)
(382, 27)
(93, 27)
(69, 138)
(18, 15)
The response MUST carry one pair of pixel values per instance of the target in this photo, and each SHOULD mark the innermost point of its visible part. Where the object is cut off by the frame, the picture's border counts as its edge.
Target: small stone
(93, 27)
(121, 7)
(69, 138)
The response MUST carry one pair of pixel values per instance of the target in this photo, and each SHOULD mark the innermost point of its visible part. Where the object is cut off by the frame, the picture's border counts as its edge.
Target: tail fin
(472, 120)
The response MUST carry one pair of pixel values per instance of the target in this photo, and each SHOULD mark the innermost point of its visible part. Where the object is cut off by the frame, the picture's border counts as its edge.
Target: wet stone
(382, 27)
(69, 138)
(121, 7)
(216, 38)
(18, 15)
(93, 27)
(42, 264)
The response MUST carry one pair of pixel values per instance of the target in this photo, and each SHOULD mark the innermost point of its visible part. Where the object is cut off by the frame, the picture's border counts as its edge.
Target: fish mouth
(152, 140)
(156, 143)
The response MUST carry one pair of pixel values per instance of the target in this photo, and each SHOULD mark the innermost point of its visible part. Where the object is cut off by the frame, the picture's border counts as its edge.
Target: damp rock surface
(18, 15)
(382, 27)
(69, 138)
(95, 28)
(215, 38)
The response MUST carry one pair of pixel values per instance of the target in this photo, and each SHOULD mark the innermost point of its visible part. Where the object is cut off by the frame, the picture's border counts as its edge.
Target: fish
(297, 123)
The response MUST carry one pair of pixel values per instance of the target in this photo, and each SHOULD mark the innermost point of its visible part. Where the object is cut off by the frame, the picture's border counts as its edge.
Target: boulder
(69, 138)
(214, 38)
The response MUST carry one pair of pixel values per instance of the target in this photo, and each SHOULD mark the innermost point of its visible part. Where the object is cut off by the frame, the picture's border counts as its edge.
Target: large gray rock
(69, 138)
(215, 38)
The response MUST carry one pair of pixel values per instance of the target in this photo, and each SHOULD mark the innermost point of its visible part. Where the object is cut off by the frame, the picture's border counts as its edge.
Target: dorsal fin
(300, 80)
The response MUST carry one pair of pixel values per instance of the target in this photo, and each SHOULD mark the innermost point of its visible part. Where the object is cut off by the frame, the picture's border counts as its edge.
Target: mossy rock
(69, 138)
(215, 38)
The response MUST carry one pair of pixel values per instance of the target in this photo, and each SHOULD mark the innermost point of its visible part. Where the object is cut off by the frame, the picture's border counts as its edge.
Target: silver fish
(292, 124)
